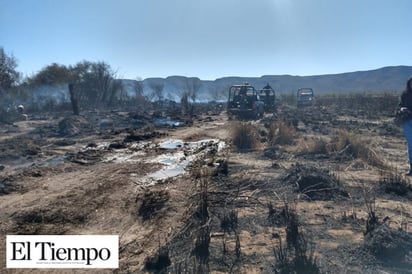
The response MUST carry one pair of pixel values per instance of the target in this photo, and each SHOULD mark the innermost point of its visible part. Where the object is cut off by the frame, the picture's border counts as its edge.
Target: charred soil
(184, 199)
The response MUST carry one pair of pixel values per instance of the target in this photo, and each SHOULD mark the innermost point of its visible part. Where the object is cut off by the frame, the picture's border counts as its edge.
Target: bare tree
(184, 101)
(138, 87)
(218, 93)
(73, 99)
(157, 90)
(103, 78)
(192, 86)
(140, 99)
(115, 91)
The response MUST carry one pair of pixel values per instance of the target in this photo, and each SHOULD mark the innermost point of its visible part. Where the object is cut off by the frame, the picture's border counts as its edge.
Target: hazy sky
(209, 38)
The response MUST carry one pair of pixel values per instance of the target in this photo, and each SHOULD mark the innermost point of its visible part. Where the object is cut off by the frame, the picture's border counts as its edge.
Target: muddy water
(178, 155)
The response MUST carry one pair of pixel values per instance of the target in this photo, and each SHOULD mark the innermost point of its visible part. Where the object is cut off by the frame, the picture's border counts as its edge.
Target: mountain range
(386, 79)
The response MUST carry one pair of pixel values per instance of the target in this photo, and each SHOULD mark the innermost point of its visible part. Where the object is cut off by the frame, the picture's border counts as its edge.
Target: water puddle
(175, 144)
(159, 122)
(124, 155)
(174, 165)
(178, 156)
(132, 153)
(173, 155)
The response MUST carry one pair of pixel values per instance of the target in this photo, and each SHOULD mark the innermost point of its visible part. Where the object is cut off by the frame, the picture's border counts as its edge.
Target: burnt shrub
(394, 183)
(159, 262)
(389, 245)
(151, 202)
(280, 133)
(229, 221)
(245, 136)
(352, 146)
(314, 183)
(297, 256)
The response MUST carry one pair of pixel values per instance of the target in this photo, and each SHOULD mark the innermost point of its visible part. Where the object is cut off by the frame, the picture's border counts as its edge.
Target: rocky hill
(387, 79)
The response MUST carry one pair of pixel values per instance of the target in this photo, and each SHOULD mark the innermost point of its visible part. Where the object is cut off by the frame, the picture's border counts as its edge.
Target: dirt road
(101, 195)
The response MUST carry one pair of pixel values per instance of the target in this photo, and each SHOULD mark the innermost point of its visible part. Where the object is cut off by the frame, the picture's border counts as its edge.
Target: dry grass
(343, 144)
(317, 145)
(394, 182)
(280, 133)
(245, 136)
(347, 143)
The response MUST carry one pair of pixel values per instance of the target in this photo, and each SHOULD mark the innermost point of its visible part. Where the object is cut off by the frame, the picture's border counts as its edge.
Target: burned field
(312, 190)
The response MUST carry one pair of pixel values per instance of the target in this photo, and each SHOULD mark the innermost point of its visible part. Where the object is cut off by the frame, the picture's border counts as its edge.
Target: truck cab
(244, 102)
(305, 97)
